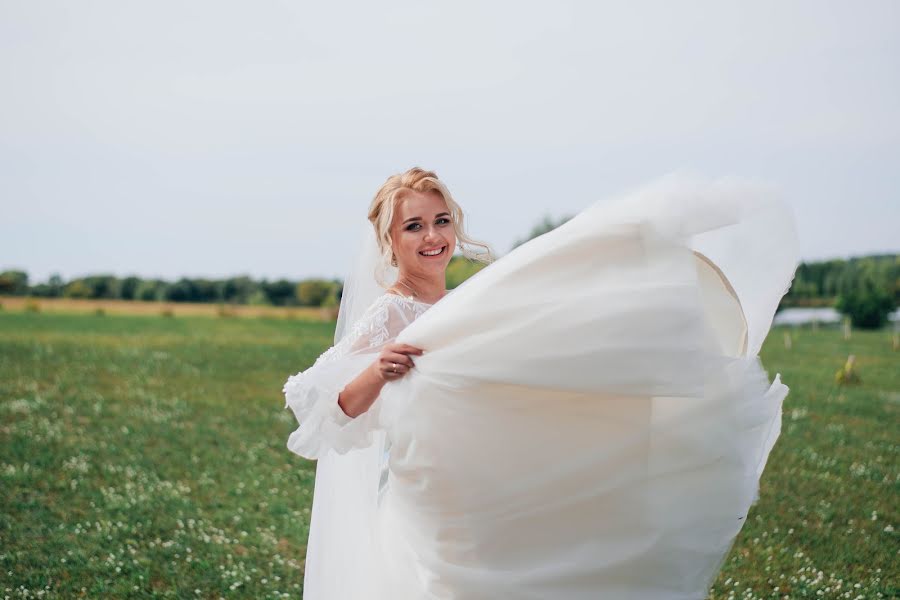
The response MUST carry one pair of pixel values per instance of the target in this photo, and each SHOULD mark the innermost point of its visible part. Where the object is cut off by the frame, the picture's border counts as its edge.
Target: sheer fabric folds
(590, 418)
(351, 452)
(312, 394)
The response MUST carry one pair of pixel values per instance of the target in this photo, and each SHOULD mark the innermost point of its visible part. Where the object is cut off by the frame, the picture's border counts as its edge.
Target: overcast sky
(222, 138)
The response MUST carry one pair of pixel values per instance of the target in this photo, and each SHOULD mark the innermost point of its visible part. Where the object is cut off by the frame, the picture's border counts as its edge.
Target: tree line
(235, 290)
(865, 288)
(232, 290)
(831, 279)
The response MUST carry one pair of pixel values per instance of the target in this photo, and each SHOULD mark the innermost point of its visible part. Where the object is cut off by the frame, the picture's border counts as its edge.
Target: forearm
(358, 395)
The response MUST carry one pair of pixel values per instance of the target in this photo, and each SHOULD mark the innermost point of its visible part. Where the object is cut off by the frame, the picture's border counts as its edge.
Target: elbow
(345, 406)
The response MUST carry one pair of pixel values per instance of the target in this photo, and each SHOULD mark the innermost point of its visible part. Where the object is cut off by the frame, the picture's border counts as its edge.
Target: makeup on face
(424, 240)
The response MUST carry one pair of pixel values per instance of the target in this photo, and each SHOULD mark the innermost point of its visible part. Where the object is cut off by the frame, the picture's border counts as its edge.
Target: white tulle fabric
(313, 394)
(590, 418)
(351, 452)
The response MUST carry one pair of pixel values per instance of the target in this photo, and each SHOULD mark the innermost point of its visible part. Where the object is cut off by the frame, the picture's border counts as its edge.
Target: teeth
(433, 252)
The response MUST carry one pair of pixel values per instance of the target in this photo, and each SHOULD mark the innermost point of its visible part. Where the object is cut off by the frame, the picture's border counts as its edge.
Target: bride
(587, 417)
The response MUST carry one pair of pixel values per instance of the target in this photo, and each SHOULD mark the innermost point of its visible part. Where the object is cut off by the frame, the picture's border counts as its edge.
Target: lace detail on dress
(416, 306)
(372, 328)
(312, 394)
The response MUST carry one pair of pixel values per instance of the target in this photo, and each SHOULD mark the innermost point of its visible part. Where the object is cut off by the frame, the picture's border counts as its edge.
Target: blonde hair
(381, 215)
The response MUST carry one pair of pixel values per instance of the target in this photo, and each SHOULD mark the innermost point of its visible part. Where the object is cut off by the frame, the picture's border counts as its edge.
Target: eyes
(417, 226)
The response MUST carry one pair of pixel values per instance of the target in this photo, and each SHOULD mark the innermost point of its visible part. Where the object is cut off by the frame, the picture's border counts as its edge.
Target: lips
(441, 253)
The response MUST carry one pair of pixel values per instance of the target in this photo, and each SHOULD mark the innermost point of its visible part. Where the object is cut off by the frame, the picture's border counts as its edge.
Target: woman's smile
(423, 239)
(431, 253)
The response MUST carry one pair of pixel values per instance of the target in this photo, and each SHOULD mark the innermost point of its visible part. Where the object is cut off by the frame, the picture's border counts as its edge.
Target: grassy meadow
(144, 456)
(165, 309)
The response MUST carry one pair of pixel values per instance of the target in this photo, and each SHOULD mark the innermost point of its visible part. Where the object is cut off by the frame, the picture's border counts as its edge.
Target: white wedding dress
(590, 418)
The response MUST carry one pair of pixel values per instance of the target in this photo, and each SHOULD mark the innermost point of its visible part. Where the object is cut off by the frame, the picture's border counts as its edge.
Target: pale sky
(217, 138)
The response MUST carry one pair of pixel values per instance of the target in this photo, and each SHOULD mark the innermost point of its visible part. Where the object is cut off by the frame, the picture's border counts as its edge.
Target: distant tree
(545, 225)
(14, 283)
(460, 269)
(281, 292)
(889, 269)
(801, 288)
(55, 285)
(180, 291)
(78, 288)
(128, 288)
(100, 286)
(821, 283)
(258, 298)
(313, 292)
(41, 290)
(52, 289)
(206, 290)
(150, 290)
(330, 301)
(238, 289)
(866, 298)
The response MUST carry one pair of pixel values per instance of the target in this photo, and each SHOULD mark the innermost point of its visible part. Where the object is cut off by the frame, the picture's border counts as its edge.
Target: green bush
(78, 289)
(460, 269)
(314, 292)
(14, 283)
(868, 304)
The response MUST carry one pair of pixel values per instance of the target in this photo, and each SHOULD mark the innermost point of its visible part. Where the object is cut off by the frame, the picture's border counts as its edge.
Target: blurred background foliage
(866, 289)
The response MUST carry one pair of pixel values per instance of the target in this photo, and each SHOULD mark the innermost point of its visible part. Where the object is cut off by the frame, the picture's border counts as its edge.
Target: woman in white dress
(585, 418)
(417, 225)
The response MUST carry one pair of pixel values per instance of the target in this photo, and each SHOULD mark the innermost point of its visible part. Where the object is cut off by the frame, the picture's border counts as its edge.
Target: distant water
(826, 315)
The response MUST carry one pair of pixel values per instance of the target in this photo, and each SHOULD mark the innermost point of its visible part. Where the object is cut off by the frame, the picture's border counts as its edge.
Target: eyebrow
(443, 214)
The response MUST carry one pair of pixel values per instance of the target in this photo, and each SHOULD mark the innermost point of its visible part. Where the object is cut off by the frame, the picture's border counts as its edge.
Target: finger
(402, 359)
(405, 349)
(395, 367)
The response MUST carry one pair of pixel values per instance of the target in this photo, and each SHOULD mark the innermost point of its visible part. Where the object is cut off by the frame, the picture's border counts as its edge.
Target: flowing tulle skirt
(590, 418)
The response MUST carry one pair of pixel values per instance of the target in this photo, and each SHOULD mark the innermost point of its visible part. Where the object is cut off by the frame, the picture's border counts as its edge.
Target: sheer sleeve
(312, 394)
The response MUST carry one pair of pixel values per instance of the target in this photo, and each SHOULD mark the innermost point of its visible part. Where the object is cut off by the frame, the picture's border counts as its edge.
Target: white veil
(340, 553)
(360, 285)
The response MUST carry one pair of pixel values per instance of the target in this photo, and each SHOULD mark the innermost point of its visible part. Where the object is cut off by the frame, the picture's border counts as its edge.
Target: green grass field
(145, 456)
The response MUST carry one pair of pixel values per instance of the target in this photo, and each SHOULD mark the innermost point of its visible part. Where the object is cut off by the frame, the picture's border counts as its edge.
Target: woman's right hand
(395, 361)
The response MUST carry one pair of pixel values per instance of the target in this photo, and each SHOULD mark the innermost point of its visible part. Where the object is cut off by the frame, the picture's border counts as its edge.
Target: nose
(431, 234)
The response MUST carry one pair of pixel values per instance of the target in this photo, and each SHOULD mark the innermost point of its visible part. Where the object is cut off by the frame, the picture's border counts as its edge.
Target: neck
(426, 289)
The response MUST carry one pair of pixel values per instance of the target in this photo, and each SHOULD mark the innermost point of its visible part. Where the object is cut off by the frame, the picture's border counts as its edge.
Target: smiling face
(421, 227)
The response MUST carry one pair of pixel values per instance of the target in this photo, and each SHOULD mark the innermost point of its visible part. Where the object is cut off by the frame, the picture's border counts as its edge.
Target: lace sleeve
(312, 394)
